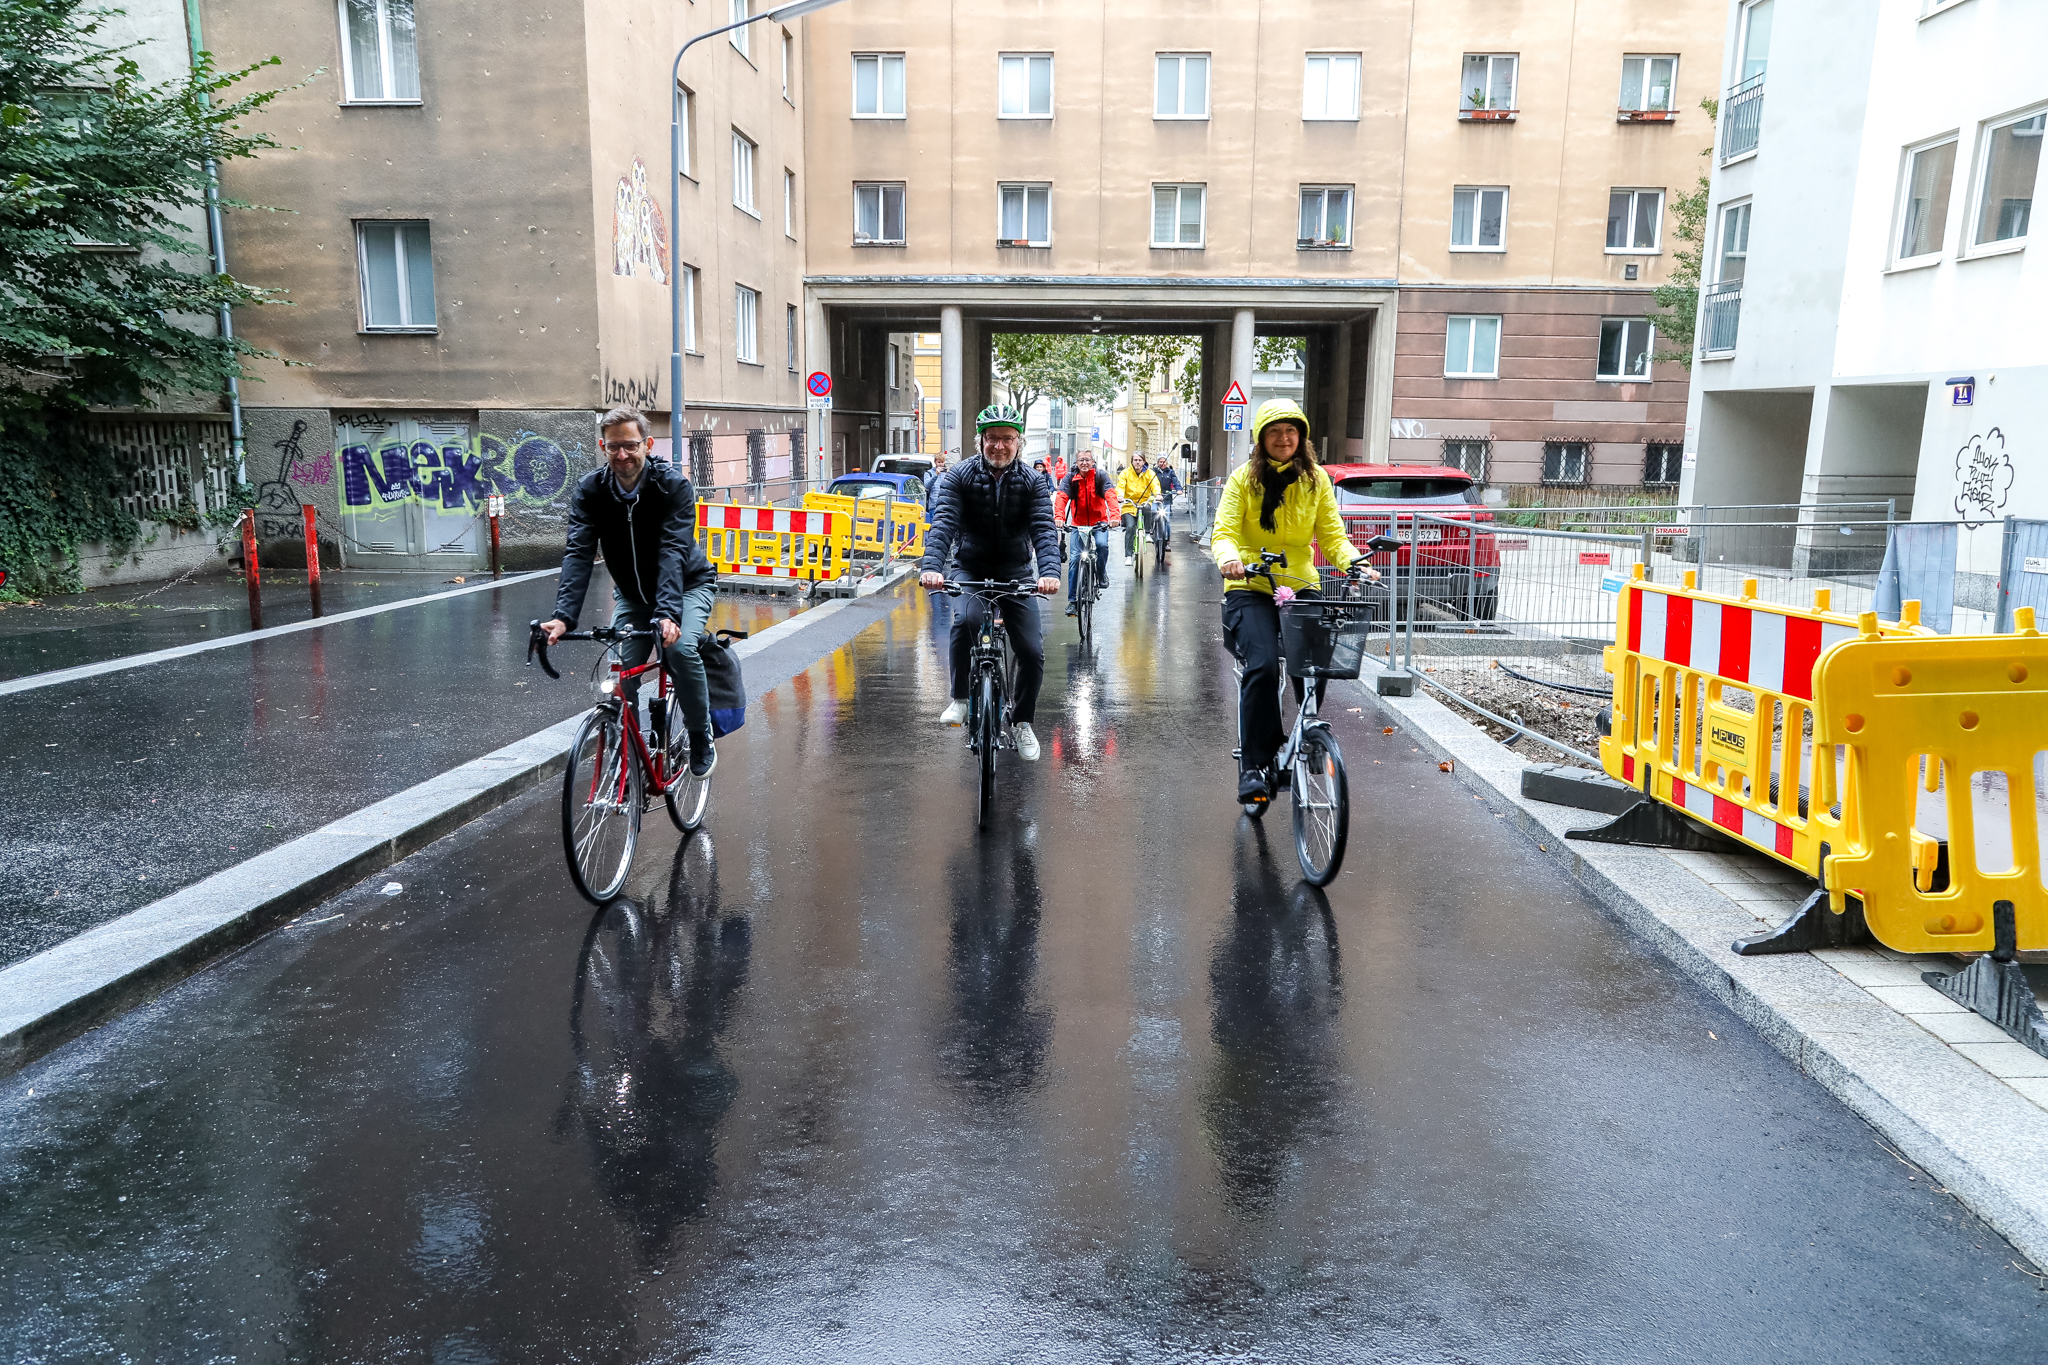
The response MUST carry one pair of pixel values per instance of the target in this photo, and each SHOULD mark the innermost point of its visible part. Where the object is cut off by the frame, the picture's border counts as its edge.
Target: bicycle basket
(1334, 649)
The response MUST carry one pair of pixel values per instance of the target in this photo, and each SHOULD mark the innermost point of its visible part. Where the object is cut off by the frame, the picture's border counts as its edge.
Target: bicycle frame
(614, 690)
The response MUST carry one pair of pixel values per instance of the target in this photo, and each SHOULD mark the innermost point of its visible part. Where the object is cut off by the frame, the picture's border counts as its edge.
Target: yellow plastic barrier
(1963, 715)
(871, 518)
(774, 542)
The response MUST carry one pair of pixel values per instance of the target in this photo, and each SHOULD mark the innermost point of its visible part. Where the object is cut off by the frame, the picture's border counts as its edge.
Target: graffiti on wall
(278, 498)
(625, 391)
(1983, 478)
(639, 235)
(454, 475)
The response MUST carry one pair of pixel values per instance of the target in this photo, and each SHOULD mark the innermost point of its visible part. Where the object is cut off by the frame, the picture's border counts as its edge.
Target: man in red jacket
(1086, 500)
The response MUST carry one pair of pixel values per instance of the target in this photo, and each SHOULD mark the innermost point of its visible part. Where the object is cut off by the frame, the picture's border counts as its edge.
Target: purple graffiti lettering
(460, 484)
(493, 471)
(540, 467)
(360, 473)
(311, 471)
(428, 476)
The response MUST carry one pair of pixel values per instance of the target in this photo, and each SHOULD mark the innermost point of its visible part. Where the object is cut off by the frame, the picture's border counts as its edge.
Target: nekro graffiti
(453, 475)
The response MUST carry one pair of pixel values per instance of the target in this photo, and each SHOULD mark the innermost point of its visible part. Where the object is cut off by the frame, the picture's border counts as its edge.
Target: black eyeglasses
(623, 447)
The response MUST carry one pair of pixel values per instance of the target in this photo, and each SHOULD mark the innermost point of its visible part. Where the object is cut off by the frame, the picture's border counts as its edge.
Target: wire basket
(1335, 648)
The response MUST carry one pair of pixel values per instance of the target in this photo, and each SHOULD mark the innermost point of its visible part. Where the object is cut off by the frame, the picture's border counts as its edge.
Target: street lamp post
(780, 13)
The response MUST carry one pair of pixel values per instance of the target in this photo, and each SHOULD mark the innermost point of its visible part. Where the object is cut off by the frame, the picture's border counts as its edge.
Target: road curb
(1973, 1133)
(69, 989)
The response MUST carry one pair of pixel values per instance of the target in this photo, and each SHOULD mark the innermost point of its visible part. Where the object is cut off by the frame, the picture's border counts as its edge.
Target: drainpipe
(217, 242)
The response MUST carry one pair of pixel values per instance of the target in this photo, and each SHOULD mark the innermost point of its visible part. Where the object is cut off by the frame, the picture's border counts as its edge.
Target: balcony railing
(1720, 316)
(1742, 118)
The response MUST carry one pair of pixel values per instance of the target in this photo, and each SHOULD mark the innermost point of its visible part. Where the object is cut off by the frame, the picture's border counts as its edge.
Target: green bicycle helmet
(998, 415)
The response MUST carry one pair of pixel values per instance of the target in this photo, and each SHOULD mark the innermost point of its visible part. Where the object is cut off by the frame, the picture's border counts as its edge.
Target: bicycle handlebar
(989, 587)
(537, 641)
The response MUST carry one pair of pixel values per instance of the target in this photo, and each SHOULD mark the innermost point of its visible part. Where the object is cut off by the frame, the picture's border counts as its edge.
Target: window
(1329, 86)
(1177, 214)
(788, 64)
(1183, 86)
(1478, 219)
(788, 203)
(1633, 219)
(789, 321)
(690, 309)
(1734, 243)
(1026, 215)
(1661, 464)
(1564, 462)
(895, 366)
(1325, 216)
(1923, 204)
(1756, 42)
(743, 172)
(740, 10)
(1024, 85)
(1625, 346)
(397, 269)
(686, 124)
(2011, 163)
(1647, 82)
(380, 55)
(746, 338)
(1489, 81)
(1472, 348)
(878, 85)
(878, 215)
(1469, 456)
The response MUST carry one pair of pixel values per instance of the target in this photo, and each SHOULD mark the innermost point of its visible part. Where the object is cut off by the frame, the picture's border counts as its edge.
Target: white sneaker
(955, 714)
(1026, 742)
(1130, 559)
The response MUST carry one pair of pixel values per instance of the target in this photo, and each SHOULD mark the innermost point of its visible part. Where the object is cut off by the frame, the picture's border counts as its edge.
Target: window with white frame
(1329, 86)
(746, 328)
(789, 334)
(1025, 215)
(1755, 41)
(743, 172)
(1648, 84)
(395, 262)
(737, 11)
(1183, 85)
(1489, 80)
(878, 214)
(788, 65)
(1734, 257)
(1635, 220)
(380, 56)
(1924, 193)
(1472, 347)
(1625, 346)
(1024, 85)
(1177, 214)
(2009, 165)
(1325, 216)
(686, 124)
(788, 203)
(1564, 462)
(878, 85)
(1479, 216)
(690, 309)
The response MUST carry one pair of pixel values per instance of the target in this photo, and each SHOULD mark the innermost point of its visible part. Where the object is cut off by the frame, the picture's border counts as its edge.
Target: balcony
(1720, 316)
(1742, 118)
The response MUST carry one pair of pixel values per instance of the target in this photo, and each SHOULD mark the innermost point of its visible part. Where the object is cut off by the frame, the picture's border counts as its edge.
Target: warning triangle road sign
(1236, 394)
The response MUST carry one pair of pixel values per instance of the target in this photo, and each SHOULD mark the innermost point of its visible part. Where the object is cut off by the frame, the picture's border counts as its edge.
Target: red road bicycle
(613, 772)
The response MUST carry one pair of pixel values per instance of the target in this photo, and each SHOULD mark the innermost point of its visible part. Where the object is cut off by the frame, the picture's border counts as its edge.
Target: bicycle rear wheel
(687, 797)
(1322, 807)
(989, 724)
(1084, 596)
(601, 793)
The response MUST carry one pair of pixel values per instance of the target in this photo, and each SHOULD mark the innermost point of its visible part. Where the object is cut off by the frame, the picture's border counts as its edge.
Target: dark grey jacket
(995, 524)
(649, 541)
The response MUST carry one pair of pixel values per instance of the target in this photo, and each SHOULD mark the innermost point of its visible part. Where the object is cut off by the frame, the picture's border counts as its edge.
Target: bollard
(495, 505)
(307, 511)
(250, 570)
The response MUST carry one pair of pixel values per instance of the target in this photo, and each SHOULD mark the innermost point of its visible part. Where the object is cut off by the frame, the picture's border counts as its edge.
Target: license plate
(1429, 535)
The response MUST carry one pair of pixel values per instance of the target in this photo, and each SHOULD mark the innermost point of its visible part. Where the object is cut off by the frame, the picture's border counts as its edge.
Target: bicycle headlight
(608, 686)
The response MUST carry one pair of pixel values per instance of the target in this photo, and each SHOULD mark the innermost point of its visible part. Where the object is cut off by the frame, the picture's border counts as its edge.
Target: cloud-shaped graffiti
(455, 475)
(639, 235)
(1983, 478)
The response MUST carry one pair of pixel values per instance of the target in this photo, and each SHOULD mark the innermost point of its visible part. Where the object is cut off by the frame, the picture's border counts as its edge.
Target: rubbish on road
(391, 889)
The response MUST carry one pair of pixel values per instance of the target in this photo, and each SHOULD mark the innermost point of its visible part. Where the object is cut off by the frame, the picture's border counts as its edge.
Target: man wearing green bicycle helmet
(994, 515)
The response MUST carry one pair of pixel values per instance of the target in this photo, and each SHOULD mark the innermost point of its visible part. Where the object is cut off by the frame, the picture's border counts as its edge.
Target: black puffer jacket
(994, 522)
(649, 541)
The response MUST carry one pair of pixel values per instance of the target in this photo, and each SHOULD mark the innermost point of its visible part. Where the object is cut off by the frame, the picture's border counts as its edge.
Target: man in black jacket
(995, 516)
(644, 517)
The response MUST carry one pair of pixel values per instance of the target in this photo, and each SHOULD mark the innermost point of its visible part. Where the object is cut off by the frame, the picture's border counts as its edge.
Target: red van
(1458, 560)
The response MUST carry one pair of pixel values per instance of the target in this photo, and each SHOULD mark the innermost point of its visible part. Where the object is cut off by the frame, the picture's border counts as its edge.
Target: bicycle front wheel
(1084, 597)
(601, 793)
(1322, 807)
(990, 723)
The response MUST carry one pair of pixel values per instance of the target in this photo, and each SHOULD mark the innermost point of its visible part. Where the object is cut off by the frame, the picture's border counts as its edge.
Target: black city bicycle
(992, 680)
(1087, 583)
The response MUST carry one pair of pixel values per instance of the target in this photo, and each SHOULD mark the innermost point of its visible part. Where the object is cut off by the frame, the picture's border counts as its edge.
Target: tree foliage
(1073, 367)
(1679, 295)
(102, 278)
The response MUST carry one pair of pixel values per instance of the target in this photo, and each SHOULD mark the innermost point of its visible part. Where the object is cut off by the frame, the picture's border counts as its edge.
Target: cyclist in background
(1169, 489)
(644, 517)
(1279, 499)
(1086, 501)
(1138, 489)
(995, 516)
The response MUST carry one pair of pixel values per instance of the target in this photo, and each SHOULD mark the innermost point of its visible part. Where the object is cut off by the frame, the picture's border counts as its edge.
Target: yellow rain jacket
(1307, 515)
(1133, 488)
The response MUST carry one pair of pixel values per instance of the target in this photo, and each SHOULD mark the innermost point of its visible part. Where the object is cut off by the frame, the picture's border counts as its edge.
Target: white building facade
(1871, 297)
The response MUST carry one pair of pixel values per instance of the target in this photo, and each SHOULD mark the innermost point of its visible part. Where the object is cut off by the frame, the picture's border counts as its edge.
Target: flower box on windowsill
(1487, 115)
(1645, 115)
(1021, 242)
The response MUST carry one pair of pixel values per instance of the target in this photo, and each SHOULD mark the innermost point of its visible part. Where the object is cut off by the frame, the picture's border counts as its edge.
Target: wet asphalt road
(844, 1081)
(123, 787)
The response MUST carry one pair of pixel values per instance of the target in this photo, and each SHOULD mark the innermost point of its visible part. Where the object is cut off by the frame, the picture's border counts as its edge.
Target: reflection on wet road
(843, 1081)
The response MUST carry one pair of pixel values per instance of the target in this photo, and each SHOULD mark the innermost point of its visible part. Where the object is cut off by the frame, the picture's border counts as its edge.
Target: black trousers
(1251, 632)
(1020, 617)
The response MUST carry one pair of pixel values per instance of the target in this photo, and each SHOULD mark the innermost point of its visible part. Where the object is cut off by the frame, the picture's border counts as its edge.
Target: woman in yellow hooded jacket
(1279, 500)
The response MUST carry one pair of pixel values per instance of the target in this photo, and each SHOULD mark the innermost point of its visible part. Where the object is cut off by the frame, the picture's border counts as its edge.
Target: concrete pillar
(1379, 386)
(1242, 356)
(1336, 443)
(951, 419)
